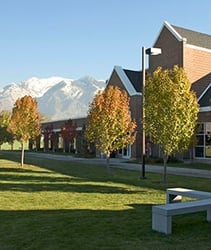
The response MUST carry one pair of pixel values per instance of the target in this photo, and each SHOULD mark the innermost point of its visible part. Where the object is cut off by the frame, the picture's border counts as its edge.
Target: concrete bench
(175, 194)
(162, 214)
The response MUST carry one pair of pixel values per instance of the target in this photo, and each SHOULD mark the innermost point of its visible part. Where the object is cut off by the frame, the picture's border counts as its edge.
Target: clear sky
(75, 38)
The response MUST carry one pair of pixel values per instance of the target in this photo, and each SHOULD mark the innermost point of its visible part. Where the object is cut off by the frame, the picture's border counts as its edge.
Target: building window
(203, 147)
(208, 140)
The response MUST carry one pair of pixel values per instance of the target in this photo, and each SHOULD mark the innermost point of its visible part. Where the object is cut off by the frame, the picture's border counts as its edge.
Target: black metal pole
(143, 114)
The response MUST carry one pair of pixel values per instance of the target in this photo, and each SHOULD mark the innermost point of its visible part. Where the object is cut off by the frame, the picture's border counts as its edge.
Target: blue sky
(72, 38)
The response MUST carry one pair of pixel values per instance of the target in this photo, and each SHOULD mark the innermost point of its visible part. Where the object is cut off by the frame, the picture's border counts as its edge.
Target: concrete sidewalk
(121, 163)
(170, 170)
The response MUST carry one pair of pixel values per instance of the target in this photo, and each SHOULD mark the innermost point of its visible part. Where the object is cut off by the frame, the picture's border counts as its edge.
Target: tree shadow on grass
(69, 229)
(98, 229)
(9, 169)
(64, 187)
(90, 172)
(31, 181)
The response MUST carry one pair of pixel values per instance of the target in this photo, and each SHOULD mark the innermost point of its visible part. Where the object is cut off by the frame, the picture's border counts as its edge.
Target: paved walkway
(121, 163)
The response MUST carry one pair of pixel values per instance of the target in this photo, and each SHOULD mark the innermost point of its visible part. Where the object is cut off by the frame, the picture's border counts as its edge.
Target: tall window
(208, 140)
(203, 147)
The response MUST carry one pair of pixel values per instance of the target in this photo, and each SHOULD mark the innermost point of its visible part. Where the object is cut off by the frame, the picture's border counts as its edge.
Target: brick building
(185, 48)
(51, 138)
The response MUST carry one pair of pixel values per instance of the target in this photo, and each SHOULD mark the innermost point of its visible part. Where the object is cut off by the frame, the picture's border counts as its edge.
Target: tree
(48, 130)
(171, 111)
(44, 118)
(68, 133)
(5, 136)
(109, 123)
(84, 148)
(25, 121)
(54, 141)
(5, 117)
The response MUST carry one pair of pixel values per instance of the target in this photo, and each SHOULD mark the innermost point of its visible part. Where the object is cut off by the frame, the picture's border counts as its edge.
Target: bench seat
(162, 214)
(175, 194)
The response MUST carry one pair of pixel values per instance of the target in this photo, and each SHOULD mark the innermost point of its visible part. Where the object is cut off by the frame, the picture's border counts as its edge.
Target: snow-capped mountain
(57, 97)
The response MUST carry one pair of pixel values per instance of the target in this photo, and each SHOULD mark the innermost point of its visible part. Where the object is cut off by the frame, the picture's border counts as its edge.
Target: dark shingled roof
(135, 78)
(201, 85)
(205, 101)
(194, 38)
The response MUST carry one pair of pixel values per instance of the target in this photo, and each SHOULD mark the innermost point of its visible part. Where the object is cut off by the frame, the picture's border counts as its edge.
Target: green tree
(5, 136)
(109, 125)
(5, 117)
(25, 121)
(171, 111)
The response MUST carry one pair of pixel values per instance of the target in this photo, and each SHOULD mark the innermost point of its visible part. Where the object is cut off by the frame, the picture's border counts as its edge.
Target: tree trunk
(22, 154)
(165, 158)
(108, 163)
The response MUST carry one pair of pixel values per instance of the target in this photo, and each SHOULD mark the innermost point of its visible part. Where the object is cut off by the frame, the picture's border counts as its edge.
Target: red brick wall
(172, 51)
(205, 117)
(115, 81)
(135, 106)
(197, 63)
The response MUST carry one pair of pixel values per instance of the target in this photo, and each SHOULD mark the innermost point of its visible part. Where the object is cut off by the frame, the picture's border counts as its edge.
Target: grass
(194, 164)
(16, 146)
(49, 204)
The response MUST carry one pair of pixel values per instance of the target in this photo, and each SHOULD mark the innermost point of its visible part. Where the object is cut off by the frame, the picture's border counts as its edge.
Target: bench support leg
(161, 223)
(209, 214)
(173, 198)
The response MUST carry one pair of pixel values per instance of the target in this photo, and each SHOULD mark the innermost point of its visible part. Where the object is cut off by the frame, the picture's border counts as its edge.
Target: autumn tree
(171, 111)
(47, 133)
(25, 121)
(109, 125)
(68, 133)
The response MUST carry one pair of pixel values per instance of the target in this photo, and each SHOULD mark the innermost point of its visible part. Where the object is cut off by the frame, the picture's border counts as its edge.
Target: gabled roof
(201, 85)
(205, 99)
(195, 38)
(191, 37)
(202, 88)
(130, 79)
(135, 78)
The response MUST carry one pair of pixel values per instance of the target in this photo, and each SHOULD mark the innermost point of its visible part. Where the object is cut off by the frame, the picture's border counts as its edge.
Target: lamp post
(152, 52)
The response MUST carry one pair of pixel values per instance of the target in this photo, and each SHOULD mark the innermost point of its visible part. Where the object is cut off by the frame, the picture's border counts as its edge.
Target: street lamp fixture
(150, 52)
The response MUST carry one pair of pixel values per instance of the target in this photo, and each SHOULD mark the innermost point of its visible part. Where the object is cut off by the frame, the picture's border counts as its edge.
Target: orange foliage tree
(25, 121)
(110, 126)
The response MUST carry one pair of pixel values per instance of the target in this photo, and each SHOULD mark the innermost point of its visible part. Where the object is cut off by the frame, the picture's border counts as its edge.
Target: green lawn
(51, 204)
(16, 146)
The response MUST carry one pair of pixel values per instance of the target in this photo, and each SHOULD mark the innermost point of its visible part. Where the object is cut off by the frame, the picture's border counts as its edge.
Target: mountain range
(58, 98)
